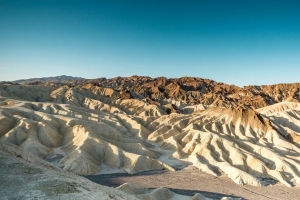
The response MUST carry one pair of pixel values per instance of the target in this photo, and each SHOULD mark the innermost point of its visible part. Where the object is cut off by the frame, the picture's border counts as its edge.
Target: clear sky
(242, 42)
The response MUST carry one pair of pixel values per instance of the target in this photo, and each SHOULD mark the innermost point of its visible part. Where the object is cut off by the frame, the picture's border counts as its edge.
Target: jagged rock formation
(188, 90)
(86, 129)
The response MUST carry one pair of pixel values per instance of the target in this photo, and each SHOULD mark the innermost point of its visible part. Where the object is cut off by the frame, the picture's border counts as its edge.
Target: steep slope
(286, 115)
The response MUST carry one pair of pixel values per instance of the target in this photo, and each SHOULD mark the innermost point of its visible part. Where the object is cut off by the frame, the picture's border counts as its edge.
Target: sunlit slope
(87, 97)
(240, 143)
(287, 116)
(85, 140)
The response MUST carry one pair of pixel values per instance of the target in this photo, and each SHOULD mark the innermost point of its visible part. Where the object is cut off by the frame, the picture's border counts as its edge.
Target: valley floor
(190, 181)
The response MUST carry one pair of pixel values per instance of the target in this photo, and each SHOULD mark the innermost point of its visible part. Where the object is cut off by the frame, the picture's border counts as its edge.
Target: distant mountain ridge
(187, 90)
(55, 79)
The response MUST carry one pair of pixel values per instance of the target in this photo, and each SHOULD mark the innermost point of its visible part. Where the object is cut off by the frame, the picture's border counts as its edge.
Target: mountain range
(186, 90)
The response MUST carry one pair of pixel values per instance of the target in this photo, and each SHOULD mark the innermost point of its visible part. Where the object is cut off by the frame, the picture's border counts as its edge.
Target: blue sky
(238, 42)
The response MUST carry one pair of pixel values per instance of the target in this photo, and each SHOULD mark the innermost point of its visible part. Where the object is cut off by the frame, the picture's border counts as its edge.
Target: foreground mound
(24, 176)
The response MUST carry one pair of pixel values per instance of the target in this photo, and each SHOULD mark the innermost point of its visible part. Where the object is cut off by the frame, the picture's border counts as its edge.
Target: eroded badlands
(86, 131)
